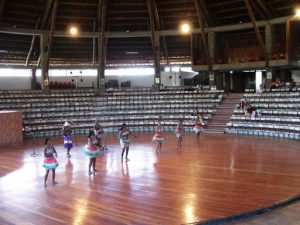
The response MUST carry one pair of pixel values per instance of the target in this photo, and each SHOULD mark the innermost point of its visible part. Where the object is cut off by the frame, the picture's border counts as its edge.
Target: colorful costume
(179, 132)
(50, 161)
(92, 152)
(67, 131)
(124, 139)
(158, 137)
(197, 128)
(68, 142)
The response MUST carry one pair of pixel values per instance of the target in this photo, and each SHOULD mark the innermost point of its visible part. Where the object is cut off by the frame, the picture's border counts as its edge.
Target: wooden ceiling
(122, 16)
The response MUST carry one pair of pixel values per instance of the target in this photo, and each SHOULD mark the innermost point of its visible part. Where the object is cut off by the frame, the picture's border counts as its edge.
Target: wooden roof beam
(210, 16)
(46, 13)
(266, 11)
(31, 45)
(2, 5)
(154, 27)
(46, 60)
(102, 45)
(257, 33)
(202, 29)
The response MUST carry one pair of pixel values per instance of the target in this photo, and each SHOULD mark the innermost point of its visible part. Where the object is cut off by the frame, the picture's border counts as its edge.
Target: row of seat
(272, 94)
(266, 133)
(44, 115)
(267, 118)
(274, 90)
(279, 115)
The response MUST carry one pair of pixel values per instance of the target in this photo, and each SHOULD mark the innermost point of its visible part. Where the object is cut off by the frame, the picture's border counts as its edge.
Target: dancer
(50, 162)
(179, 133)
(99, 132)
(124, 140)
(198, 126)
(158, 137)
(67, 132)
(93, 151)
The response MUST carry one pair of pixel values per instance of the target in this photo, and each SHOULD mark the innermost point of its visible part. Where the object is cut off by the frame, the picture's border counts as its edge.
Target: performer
(50, 162)
(67, 132)
(179, 133)
(93, 151)
(99, 132)
(158, 137)
(198, 126)
(124, 140)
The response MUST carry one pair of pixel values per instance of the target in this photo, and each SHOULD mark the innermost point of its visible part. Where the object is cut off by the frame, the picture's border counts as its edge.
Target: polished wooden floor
(216, 177)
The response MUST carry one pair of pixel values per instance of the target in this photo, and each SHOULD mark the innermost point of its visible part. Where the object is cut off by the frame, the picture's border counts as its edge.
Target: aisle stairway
(224, 112)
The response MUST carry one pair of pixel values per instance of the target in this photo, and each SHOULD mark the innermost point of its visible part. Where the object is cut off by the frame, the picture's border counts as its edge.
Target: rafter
(31, 45)
(2, 5)
(102, 45)
(258, 10)
(257, 33)
(154, 27)
(210, 17)
(266, 11)
(203, 35)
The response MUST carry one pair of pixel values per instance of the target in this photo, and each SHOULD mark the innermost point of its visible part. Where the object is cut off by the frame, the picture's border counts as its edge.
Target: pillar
(44, 67)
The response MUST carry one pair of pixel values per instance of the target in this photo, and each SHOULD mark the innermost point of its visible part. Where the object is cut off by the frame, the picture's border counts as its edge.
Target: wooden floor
(216, 177)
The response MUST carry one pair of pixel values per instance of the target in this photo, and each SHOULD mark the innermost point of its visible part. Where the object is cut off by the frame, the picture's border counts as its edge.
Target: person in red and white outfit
(158, 137)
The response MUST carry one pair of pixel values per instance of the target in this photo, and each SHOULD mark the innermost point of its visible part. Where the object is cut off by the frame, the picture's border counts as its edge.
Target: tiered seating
(142, 108)
(44, 115)
(280, 115)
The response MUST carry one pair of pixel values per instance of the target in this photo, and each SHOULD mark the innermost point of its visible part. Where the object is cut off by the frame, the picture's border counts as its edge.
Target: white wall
(15, 83)
(296, 75)
(19, 83)
(136, 81)
(24, 83)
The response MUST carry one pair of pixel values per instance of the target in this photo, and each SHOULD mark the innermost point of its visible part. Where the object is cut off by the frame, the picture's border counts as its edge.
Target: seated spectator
(242, 104)
(250, 111)
(258, 112)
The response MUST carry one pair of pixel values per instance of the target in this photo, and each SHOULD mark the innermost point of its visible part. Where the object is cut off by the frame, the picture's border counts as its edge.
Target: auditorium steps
(224, 112)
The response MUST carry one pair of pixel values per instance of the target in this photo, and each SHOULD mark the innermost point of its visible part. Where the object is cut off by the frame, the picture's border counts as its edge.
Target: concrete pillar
(100, 81)
(33, 79)
(268, 81)
(269, 39)
(156, 55)
(212, 78)
(44, 68)
(212, 46)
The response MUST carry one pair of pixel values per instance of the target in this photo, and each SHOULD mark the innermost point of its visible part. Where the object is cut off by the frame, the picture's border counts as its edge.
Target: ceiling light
(73, 30)
(132, 53)
(297, 13)
(185, 28)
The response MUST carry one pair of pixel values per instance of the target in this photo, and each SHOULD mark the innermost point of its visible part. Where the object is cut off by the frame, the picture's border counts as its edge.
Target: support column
(154, 27)
(269, 76)
(212, 78)
(157, 79)
(212, 46)
(269, 39)
(288, 39)
(44, 68)
(100, 81)
(101, 48)
(33, 79)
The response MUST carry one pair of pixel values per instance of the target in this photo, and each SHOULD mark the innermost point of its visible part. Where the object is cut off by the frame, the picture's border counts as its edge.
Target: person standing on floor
(67, 133)
(179, 133)
(100, 135)
(92, 150)
(158, 137)
(198, 126)
(50, 162)
(124, 140)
